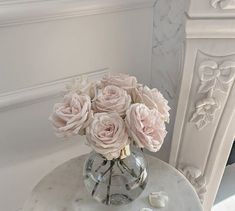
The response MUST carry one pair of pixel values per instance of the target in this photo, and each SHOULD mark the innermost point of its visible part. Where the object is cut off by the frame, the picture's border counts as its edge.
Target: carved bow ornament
(216, 76)
(213, 77)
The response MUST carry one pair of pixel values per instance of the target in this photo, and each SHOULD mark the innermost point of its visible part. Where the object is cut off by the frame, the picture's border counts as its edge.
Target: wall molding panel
(38, 93)
(16, 12)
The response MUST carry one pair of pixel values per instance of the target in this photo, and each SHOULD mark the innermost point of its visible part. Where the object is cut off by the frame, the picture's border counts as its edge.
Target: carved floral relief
(204, 112)
(214, 76)
(223, 4)
(195, 177)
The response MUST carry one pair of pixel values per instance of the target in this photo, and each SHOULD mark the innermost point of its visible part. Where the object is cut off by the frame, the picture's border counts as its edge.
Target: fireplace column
(204, 127)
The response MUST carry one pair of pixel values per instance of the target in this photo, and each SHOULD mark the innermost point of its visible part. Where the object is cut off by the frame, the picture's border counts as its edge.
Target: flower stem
(110, 180)
(130, 171)
(102, 164)
(102, 175)
(119, 167)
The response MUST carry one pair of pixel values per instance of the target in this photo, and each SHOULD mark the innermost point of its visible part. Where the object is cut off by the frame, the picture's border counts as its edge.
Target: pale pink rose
(145, 126)
(121, 80)
(72, 115)
(83, 86)
(152, 98)
(112, 99)
(107, 134)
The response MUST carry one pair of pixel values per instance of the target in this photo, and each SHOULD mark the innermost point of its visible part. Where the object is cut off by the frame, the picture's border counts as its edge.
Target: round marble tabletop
(63, 190)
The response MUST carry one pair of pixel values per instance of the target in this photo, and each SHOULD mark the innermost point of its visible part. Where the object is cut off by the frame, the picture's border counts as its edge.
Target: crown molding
(45, 91)
(14, 12)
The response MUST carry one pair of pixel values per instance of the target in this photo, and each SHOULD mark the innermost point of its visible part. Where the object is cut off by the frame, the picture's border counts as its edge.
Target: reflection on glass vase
(118, 181)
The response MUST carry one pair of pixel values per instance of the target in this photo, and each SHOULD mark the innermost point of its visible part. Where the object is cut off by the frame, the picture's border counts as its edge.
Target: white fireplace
(204, 129)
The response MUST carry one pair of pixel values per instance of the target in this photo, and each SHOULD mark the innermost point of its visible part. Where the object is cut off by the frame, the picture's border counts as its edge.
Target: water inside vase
(115, 182)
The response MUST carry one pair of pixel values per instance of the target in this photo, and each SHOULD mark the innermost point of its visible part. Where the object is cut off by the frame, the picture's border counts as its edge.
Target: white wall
(43, 47)
(41, 53)
(167, 57)
(37, 53)
(39, 56)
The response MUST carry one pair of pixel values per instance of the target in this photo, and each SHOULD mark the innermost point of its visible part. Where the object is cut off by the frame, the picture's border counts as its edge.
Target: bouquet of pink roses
(112, 113)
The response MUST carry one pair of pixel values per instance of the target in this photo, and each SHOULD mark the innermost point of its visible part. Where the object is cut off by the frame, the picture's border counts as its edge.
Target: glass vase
(118, 181)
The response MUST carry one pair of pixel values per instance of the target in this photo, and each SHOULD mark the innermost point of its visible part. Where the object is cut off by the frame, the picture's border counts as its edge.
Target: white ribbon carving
(223, 4)
(213, 77)
(216, 76)
(195, 177)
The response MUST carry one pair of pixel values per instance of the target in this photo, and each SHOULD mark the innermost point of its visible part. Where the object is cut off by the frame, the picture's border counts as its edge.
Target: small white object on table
(63, 190)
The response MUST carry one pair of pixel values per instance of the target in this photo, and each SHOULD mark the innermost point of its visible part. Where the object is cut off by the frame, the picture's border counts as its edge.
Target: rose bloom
(107, 134)
(72, 115)
(145, 126)
(83, 86)
(112, 99)
(152, 98)
(121, 80)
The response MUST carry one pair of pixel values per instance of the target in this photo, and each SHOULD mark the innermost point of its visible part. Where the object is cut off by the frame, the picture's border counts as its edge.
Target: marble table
(63, 190)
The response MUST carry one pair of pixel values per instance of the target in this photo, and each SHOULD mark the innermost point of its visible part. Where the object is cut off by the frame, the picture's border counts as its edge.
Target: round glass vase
(117, 181)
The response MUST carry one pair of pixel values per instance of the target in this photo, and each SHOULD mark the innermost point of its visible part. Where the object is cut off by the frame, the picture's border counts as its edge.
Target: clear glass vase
(117, 181)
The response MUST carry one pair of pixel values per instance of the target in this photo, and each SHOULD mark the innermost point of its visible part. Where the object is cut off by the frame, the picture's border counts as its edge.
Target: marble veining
(167, 56)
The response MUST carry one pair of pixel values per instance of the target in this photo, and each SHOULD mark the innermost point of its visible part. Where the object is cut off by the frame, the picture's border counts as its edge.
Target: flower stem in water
(109, 185)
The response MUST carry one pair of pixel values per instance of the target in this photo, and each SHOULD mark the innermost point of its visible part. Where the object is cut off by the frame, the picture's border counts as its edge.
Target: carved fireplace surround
(205, 121)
